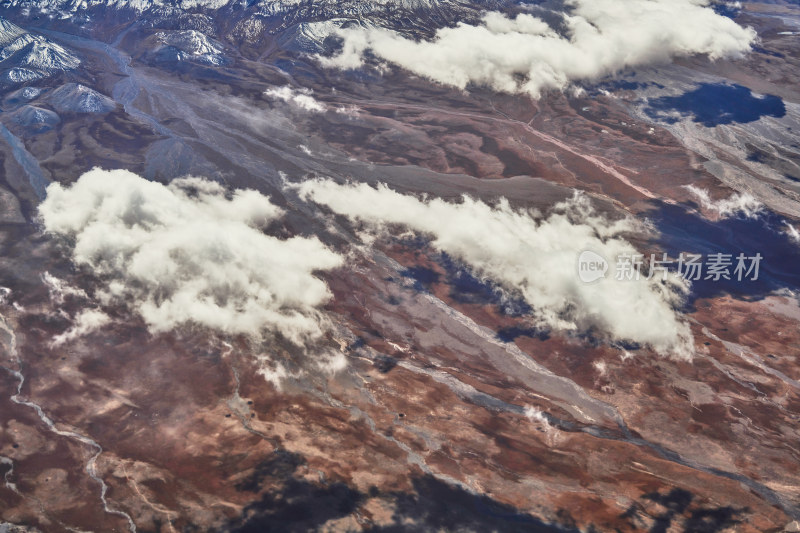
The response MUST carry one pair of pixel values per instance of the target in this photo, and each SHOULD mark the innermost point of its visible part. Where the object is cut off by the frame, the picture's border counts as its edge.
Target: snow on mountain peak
(25, 56)
(9, 32)
(49, 56)
(77, 98)
(195, 45)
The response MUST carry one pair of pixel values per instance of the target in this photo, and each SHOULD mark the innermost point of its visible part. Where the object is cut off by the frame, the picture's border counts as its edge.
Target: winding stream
(17, 398)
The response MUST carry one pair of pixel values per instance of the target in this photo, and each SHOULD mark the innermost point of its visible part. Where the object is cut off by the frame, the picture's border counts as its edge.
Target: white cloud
(332, 362)
(737, 204)
(540, 419)
(793, 233)
(191, 253)
(524, 55)
(350, 111)
(601, 367)
(59, 289)
(534, 255)
(301, 98)
(275, 372)
(85, 322)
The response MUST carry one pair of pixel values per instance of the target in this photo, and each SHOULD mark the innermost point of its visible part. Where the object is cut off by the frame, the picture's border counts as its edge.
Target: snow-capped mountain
(309, 36)
(35, 119)
(77, 98)
(300, 25)
(249, 18)
(265, 7)
(194, 46)
(25, 56)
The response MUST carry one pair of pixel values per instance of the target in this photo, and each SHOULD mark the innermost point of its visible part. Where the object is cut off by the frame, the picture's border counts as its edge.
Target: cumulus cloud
(534, 255)
(301, 98)
(86, 321)
(738, 204)
(190, 253)
(526, 55)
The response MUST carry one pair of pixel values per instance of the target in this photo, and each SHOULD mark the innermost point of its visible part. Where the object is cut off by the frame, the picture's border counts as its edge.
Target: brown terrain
(454, 412)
